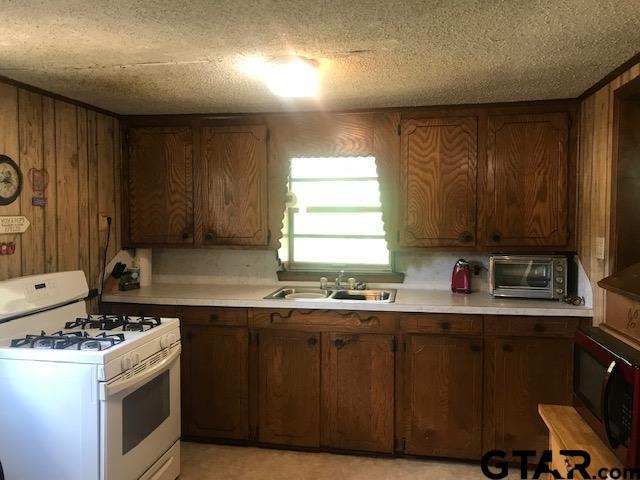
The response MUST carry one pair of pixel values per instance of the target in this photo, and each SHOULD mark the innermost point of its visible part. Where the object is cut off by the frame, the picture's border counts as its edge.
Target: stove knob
(126, 362)
(136, 359)
(171, 338)
(163, 341)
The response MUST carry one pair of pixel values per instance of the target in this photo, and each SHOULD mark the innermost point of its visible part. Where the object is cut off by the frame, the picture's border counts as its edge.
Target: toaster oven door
(522, 277)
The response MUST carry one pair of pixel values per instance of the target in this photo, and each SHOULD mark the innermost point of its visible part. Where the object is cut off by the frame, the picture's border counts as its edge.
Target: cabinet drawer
(442, 324)
(138, 309)
(215, 316)
(344, 319)
(530, 326)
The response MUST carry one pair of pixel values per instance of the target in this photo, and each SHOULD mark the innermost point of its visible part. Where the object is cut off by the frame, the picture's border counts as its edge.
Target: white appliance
(85, 397)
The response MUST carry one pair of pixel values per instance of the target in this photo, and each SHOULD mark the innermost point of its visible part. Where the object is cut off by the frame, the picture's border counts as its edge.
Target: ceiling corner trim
(57, 96)
(634, 60)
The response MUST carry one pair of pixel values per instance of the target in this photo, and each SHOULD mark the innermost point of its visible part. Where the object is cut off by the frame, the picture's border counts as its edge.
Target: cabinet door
(438, 167)
(527, 180)
(357, 391)
(234, 161)
(522, 373)
(159, 186)
(289, 387)
(443, 396)
(215, 383)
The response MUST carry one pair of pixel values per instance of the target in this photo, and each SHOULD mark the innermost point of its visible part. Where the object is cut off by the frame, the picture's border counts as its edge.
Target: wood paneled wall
(595, 168)
(80, 150)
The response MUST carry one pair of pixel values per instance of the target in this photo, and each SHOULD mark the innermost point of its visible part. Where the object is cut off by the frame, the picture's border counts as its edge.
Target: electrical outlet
(104, 219)
(476, 268)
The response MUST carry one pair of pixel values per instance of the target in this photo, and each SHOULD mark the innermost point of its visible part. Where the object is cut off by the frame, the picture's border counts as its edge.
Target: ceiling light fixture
(290, 76)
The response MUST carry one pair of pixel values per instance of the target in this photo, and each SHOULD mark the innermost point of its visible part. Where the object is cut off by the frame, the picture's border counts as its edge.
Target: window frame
(289, 234)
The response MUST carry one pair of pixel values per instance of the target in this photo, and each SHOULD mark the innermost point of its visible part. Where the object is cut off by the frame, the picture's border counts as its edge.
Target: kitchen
(349, 242)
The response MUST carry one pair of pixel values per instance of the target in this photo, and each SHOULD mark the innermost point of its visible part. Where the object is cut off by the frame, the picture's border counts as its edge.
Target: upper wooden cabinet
(526, 189)
(438, 182)
(234, 185)
(159, 186)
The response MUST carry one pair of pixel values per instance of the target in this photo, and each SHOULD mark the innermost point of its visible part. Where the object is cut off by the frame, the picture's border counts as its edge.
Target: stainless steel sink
(365, 295)
(299, 293)
(332, 295)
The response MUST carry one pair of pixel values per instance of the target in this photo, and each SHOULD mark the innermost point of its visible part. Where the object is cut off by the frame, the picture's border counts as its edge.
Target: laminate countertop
(407, 300)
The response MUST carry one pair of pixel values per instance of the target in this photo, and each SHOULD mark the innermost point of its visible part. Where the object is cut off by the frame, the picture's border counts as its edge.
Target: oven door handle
(604, 405)
(107, 390)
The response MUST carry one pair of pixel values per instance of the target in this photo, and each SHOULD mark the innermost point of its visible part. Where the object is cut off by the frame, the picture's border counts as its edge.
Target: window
(334, 216)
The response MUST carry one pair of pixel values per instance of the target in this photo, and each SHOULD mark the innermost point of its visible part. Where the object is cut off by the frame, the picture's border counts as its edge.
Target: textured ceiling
(183, 56)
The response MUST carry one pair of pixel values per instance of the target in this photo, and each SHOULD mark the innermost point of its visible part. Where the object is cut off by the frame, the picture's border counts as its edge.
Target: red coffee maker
(461, 277)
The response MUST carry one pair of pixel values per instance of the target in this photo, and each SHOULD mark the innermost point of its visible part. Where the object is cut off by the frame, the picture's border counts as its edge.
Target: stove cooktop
(93, 332)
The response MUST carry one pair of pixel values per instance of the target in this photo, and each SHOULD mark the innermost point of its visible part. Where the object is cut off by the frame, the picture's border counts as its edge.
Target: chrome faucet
(338, 283)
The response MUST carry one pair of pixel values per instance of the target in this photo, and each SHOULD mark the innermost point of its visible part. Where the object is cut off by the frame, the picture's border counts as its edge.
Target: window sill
(369, 277)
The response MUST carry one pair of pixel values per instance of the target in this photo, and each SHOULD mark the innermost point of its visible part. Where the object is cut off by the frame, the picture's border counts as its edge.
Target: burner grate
(113, 322)
(61, 341)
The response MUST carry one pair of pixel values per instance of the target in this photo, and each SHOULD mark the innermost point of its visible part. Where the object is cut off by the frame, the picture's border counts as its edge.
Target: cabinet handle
(208, 236)
(356, 315)
(465, 237)
(341, 342)
(213, 317)
(311, 341)
(496, 237)
(445, 326)
(277, 316)
(507, 348)
(475, 348)
(186, 235)
(538, 328)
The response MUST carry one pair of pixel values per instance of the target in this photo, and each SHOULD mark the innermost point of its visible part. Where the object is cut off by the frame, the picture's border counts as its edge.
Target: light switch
(599, 248)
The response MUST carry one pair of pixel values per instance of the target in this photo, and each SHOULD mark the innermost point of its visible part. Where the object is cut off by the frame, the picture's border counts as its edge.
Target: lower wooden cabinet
(215, 382)
(325, 379)
(358, 391)
(521, 373)
(289, 387)
(442, 381)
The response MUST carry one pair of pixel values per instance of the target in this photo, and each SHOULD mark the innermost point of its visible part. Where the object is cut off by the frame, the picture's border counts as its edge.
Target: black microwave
(606, 390)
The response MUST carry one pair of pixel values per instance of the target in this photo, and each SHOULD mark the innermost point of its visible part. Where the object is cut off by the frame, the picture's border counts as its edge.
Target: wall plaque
(13, 224)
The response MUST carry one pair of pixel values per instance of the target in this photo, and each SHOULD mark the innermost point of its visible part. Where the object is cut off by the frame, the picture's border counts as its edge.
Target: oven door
(140, 417)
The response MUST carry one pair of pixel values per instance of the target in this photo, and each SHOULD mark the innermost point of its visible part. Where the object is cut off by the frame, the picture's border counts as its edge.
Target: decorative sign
(39, 179)
(13, 224)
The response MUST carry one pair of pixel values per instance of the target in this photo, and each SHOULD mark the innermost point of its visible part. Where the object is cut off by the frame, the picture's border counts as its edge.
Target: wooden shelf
(568, 430)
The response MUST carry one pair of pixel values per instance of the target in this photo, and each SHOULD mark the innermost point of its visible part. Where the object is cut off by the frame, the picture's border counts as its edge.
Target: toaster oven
(528, 276)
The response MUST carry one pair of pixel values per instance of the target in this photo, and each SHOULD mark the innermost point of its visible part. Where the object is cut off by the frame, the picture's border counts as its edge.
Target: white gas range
(85, 397)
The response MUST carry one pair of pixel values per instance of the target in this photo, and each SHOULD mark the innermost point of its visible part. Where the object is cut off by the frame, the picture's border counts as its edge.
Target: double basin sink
(332, 295)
